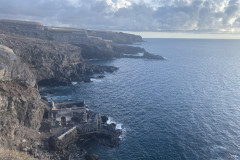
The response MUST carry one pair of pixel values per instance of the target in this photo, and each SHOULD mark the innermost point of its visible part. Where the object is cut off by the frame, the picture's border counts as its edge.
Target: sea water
(185, 107)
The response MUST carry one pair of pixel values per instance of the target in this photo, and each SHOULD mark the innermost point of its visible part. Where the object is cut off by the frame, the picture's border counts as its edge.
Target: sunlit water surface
(185, 107)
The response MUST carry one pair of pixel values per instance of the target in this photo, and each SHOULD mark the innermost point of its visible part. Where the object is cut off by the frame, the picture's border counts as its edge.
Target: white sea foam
(95, 80)
(118, 125)
(124, 131)
(74, 83)
(110, 120)
(135, 55)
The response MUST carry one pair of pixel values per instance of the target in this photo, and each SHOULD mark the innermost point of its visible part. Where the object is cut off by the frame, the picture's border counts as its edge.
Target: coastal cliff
(63, 34)
(51, 62)
(94, 44)
(20, 103)
(11, 67)
(33, 55)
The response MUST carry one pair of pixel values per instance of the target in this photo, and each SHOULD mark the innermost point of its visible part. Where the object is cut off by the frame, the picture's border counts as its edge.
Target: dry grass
(14, 155)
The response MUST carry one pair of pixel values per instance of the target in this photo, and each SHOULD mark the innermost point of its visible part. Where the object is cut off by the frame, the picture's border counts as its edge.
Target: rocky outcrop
(62, 35)
(11, 67)
(128, 49)
(94, 44)
(51, 62)
(20, 102)
(47, 60)
(100, 43)
(152, 56)
(32, 54)
(24, 28)
(116, 37)
(97, 52)
(91, 157)
(132, 52)
(67, 35)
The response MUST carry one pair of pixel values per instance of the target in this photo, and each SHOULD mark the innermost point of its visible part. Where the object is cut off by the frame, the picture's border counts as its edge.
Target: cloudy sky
(187, 16)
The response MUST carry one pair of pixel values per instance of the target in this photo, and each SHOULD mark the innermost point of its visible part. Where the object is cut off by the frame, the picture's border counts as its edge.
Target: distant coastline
(33, 55)
(184, 35)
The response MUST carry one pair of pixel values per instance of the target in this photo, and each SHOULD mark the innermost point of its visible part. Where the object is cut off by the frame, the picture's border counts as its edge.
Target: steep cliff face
(116, 37)
(20, 105)
(11, 67)
(24, 28)
(95, 44)
(70, 35)
(52, 62)
(46, 59)
(20, 102)
(97, 52)
(92, 47)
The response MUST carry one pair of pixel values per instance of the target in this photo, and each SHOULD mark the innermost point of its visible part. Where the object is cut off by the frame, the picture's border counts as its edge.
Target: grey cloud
(142, 15)
(232, 11)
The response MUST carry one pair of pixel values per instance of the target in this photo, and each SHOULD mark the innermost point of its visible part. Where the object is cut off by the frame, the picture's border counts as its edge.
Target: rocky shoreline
(33, 55)
(66, 139)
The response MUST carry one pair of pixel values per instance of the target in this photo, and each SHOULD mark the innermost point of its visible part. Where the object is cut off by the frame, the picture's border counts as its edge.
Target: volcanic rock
(104, 119)
(91, 157)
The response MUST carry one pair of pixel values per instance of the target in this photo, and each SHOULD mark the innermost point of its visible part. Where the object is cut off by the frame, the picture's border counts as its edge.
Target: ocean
(186, 107)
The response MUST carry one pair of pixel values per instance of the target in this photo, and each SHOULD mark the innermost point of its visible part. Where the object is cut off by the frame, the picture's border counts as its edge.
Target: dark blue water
(186, 107)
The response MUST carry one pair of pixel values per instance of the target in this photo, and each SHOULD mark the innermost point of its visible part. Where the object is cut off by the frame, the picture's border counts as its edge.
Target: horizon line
(183, 35)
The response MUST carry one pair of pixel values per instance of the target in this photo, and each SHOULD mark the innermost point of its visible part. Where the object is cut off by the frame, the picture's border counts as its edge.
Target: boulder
(11, 67)
(101, 76)
(46, 126)
(104, 119)
(91, 157)
(87, 80)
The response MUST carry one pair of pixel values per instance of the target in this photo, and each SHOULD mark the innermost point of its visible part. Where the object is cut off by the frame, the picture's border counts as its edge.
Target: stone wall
(93, 126)
(63, 138)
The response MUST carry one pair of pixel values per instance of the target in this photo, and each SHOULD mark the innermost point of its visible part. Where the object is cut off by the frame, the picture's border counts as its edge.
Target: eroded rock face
(20, 102)
(94, 44)
(116, 37)
(11, 67)
(52, 63)
(20, 105)
(91, 157)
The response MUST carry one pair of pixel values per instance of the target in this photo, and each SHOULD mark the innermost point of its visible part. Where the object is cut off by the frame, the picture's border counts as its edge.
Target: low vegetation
(14, 155)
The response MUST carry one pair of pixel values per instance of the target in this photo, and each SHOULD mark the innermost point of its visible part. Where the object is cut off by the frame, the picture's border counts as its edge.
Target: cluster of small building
(75, 121)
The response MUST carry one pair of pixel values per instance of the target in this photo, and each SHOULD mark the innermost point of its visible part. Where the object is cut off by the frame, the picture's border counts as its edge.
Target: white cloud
(142, 15)
(118, 4)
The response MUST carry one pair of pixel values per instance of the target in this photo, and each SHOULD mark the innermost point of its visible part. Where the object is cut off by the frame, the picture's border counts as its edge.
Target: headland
(33, 55)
